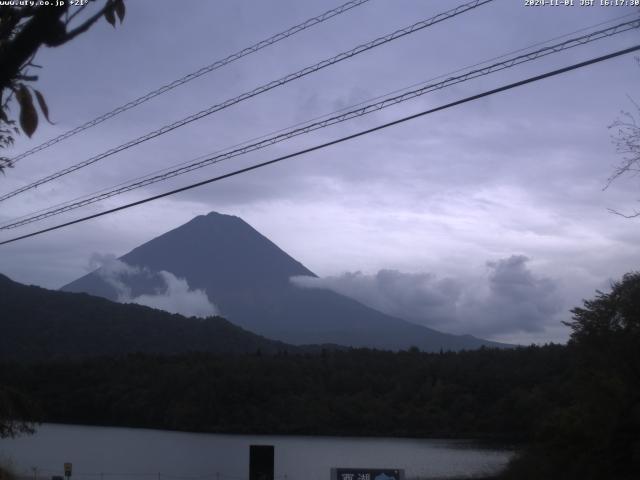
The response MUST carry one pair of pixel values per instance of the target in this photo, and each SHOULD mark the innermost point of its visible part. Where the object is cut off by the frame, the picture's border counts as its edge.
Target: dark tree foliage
(41, 324)
(23, 30)
(577, 407)
(18, 414)
(597, 436)
(485, 393)
(610, 319)
(36, 323)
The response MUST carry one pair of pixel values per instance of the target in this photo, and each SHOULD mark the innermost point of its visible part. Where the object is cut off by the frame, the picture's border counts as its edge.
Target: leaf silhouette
(110, 16)
(43, 105)
(28, 114)
(120, 9)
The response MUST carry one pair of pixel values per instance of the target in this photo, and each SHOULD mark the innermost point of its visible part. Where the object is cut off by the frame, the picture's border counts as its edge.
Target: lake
(105, 453)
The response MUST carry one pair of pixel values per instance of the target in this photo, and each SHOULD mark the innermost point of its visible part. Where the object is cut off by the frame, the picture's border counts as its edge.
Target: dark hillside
(40, 324)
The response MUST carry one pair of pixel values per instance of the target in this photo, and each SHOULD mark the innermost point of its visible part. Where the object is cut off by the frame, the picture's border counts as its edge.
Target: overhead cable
(257, 91)
(193, 75)
(333, 142)
(358, 112)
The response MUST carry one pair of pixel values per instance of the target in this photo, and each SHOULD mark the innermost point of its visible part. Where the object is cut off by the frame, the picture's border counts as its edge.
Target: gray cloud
(509, 299)
(174, 297)
(518, 300)
(415, 296)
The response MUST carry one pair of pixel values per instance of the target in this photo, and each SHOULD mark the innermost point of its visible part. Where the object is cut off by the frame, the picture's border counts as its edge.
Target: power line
(193, 75)
(358, 112)
(257, 91)
(196, 164)
(319, 117)
(334, 142)
(343, 109)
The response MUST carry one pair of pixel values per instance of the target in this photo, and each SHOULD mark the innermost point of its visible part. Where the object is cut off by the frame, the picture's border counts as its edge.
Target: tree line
(576, 407)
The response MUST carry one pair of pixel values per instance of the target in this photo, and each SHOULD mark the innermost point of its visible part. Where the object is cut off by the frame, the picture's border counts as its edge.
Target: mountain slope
(40, 324)
(248, 277)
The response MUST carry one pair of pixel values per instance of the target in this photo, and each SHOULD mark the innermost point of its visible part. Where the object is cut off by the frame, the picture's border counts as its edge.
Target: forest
(358, 392)
(41, 324)
(574, 408)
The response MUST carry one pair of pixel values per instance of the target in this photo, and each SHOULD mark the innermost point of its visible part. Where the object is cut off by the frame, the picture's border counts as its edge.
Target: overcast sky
(488, 218)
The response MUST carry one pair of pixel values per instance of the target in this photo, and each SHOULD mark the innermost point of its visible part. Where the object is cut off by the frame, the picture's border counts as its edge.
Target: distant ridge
(40, 324)
(248, 277)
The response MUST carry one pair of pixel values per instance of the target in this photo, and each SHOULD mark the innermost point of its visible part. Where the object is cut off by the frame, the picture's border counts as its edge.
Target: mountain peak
(213, 214)
(216, 218)
(247, 277)
(220, 217)
(216, 251)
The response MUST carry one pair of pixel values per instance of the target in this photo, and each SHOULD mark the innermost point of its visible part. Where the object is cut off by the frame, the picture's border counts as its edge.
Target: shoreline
(505, 442)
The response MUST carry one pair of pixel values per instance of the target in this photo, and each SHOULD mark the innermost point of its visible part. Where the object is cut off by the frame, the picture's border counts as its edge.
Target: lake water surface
(103, 453)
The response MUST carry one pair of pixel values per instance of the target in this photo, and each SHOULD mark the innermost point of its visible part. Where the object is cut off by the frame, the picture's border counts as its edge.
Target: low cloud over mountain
(173, 295)
(509, 299)
(222, 259)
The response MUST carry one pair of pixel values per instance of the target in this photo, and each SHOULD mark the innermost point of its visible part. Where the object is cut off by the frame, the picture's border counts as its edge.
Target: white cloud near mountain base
(178, 298)
(175, 297)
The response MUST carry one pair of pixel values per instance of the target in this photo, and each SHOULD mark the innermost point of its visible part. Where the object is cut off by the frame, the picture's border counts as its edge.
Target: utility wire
(335, 142)
(344, 109)
(358, 112)
(257, 91)
(192, 76)
(319, 117)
